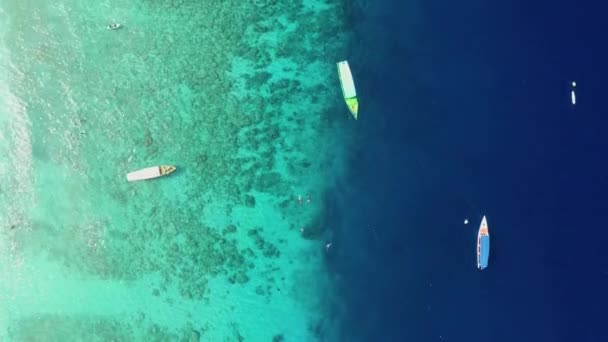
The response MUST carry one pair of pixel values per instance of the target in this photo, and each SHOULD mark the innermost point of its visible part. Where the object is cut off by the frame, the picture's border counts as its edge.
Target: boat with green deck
(348, 87)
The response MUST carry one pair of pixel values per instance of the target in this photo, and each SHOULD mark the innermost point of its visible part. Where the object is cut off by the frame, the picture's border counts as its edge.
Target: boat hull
(483, 245)
(150, 173)
(348, 88)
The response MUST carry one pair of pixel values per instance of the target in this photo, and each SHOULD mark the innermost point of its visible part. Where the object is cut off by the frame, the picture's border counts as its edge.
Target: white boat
(114, 26)
(348, 88)
(572, 94)
(150, 172)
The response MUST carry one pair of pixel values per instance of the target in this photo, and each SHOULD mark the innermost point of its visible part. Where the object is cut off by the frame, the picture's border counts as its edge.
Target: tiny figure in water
(327, 246)
(307, 198)
(300, 199)
(302, 230)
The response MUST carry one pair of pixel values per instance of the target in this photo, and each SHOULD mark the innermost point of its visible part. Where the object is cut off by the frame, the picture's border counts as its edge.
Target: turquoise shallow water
(242, 97)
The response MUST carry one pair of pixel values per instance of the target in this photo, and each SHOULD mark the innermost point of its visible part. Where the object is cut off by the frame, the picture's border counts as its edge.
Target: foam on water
(15, 176)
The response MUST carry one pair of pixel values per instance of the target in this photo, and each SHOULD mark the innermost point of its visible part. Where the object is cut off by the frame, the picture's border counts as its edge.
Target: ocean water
(465, 111)
(241, 96)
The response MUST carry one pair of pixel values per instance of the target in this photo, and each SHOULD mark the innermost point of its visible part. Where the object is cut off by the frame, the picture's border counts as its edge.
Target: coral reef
(240, 95)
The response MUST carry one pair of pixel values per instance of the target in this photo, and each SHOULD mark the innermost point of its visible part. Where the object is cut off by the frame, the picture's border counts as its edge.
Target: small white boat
(150, 172)
(114, 26)
(572, 94)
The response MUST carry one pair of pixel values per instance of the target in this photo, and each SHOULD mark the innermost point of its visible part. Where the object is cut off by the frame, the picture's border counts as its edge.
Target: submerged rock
(195, 336)
(249, 201)
(242, 278)
(271, 251)
(230, 229)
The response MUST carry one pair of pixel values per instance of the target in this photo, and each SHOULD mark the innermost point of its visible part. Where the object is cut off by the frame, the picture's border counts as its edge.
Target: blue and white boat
(483, 244)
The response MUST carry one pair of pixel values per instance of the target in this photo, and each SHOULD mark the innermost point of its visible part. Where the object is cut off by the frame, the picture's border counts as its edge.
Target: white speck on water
(572, 94)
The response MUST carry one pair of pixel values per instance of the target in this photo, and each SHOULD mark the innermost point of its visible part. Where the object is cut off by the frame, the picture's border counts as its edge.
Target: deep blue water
(465, 111)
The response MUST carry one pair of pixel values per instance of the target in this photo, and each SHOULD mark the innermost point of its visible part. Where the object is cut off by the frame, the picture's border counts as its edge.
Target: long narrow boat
(150, 172)
(483, 244)
(348, 87)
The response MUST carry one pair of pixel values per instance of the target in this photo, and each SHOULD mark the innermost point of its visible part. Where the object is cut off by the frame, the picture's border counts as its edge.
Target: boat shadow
(177, 172)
